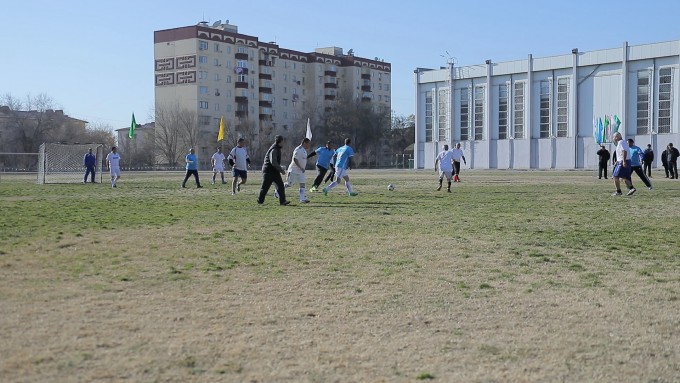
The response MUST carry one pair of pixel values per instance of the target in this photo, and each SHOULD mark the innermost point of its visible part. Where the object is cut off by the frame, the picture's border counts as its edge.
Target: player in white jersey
(218, 165)
(239, 161)
(445, 161)
(457, 156)
(113, 161)
(296, 169)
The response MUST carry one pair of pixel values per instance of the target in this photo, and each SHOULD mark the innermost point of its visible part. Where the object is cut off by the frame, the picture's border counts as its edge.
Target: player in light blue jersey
(343, 162)
(323, 163)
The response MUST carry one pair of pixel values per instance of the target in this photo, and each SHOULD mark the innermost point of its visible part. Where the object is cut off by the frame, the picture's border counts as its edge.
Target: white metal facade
(538, 113)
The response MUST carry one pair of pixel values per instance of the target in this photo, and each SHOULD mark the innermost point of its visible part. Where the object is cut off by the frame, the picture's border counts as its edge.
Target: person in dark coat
(604, 156)
(673, 155)
(272, 172)
(647, 159)
(664, 161)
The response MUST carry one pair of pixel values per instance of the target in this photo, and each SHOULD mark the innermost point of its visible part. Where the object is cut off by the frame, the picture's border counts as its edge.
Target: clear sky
(95, 57)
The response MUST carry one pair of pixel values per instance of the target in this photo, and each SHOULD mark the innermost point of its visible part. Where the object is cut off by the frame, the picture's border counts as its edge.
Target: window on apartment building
(202, 90)
(202, 59)
(479, 113)
(379, 86)
(241, 78)
(379, 97)
(285, 102)
(665, 92)
(502, 112)
(303, 69)
(242, 63)
(294, 65)
(216, 47)
(228, 79)
(464, 114)
(203, 104)
(204, 120)
(643, 93)
(202, 75)
(228, 49)
(442, 115)
(217, 77)
(285, 115)
(285, 77)
(544, 108)
(252, 83)
(428, 116)
(241, 49)
(216, 62)
(202, 45)
(244, 93)
(229, 93)
(518, 110)
(285, 89)
(387, 98)
(379, 76)
(217, 107)
(562, 107)
(228, 107)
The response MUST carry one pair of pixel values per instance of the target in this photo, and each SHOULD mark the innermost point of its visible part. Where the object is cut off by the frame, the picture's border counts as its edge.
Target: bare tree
(167, 133)
(32, 121)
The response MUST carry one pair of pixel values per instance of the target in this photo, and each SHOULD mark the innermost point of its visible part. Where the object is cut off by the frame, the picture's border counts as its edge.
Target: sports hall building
(541, 113)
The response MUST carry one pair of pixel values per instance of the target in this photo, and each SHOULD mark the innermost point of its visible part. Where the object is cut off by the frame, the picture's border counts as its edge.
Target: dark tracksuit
(272, 170)
(90, 163)
(604, 156)
(647, 159)
(673, 155)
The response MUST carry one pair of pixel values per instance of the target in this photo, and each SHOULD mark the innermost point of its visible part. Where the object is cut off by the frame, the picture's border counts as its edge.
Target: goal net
(63, 163)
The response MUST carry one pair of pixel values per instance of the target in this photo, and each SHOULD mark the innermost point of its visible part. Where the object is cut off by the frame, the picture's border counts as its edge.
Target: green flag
(617, 123)
(133, 126)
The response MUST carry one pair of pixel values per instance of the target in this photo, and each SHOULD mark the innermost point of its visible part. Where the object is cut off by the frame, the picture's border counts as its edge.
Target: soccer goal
(63, 163)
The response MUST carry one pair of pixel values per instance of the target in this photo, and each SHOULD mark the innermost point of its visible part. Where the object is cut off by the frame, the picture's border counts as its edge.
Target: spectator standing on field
(192, 168)
(272, 172)
(323, 163)
(647, 160)
(343, 163)
(217, 161)
(622, 166)
(445, 161)
(673, 155)
(457, 156)
(636, 162)
(90, 163)
(240, 162)
(664, 161)
(603, 157)
(113, 162)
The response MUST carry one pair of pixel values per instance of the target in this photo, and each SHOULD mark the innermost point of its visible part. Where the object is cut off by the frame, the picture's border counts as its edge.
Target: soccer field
(515, 276)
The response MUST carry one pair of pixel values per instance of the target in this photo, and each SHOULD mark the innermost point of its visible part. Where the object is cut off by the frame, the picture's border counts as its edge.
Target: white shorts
(115, 171)
(448, 173)
(339, 173)
(294, 178)
(218, 169)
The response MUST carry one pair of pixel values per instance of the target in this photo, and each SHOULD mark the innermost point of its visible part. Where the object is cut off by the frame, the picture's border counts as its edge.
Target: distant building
(138, 152)
(538, 113)
(258, 87)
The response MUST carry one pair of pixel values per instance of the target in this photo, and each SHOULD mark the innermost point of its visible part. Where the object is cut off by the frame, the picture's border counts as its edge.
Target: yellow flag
(220, 135)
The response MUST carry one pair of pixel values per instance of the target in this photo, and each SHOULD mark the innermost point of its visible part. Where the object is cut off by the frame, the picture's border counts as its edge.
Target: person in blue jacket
(636, 155)
(192, 168)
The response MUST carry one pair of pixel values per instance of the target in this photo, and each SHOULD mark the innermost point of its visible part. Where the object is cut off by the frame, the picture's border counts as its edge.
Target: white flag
(309, 131)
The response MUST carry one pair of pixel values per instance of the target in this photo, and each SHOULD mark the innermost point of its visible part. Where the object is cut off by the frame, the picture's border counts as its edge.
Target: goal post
(63, 163)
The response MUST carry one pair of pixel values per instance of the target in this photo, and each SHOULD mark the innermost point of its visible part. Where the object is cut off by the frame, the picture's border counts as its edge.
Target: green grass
(499, 237)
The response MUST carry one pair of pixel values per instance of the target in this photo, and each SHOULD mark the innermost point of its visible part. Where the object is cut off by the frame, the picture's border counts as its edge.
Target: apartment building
(259, 88)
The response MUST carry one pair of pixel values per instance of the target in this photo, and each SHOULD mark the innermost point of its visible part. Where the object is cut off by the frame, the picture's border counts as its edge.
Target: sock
(449, 183)
(618, 190)
(332, 185)
(440, 182)
(348, 186)
(302, 194)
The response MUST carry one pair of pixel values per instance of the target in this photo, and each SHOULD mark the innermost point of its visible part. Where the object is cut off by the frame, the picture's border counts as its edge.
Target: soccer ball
(391, 187)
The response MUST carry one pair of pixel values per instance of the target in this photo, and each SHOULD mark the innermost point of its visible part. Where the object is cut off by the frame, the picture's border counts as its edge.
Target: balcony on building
(265, 103)
(329, 94)
(241, 99)
(265, 89)
(366, 86)
(331, 70)
(366, 96)
(265, 113)
(265, 76)
(241, 56)
(241, 85)
(241, 113)
(330, 82)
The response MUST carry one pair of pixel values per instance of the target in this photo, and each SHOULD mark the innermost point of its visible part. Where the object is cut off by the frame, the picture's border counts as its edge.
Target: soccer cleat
(199, 186)
(448, 190)
(353, 194)
(439, 188)
(238, 186)
(631, 191)
(232, 193)
(285, 203)
(304, 201)
(313, 189)
(650, 188)
(616, 194)
(212, 182)
(325, 191)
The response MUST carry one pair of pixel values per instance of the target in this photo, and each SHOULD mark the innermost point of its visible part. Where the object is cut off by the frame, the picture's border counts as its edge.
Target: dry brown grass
(501, 281)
